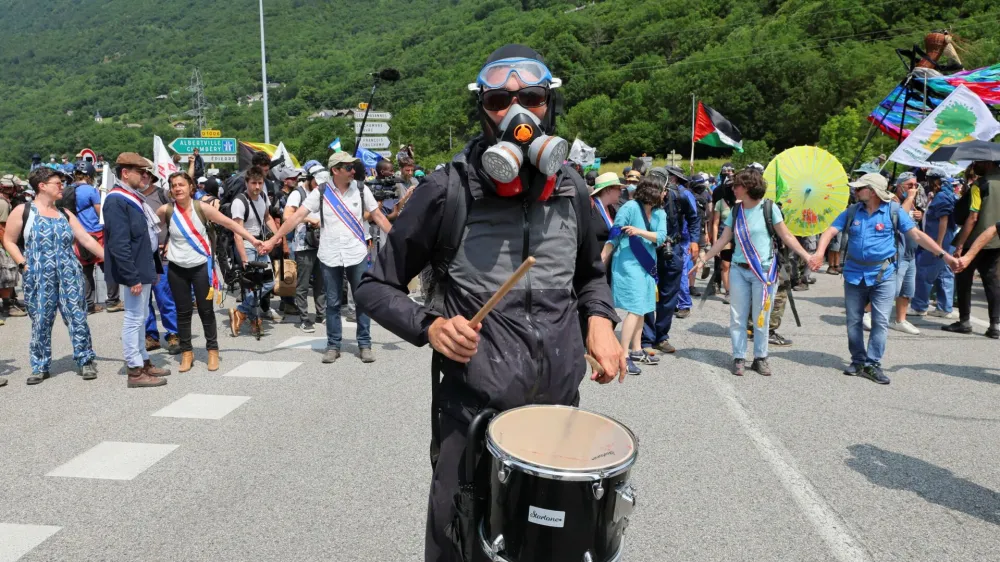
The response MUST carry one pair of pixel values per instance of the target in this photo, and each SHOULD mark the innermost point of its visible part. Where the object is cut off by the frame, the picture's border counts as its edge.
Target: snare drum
(559, 489)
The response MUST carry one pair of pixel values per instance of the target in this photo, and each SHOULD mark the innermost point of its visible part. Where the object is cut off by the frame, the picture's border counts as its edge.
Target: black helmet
(85, 168)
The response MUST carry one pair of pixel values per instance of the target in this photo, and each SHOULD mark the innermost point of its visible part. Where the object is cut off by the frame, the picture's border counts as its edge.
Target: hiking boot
(776, 339)
(138, 378)
(187, 361)
(738, 365)
(958, 328)
(152, 344)
(665, 347)
(630, 368)
(213, 359)
(116, 307)
(15, 311)
(760, 365)
(236, 319)
(874, 373)
(801, 287)
(173, 344)
(904, 327)
(95, 309)
(37, 378)
(367, 355)
(683, 313)
(89, 371)
(153, 370)
(993, 332)
(643, 357)
(854, 369)
(307, 327)
(331, 355)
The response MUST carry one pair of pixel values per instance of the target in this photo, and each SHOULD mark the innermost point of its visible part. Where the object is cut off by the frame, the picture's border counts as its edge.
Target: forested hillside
(786, 72)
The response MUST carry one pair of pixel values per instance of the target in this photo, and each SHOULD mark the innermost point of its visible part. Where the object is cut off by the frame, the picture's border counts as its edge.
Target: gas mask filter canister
(520, 130)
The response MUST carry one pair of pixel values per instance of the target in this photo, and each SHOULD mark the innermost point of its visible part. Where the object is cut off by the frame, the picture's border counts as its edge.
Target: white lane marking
(114, 460)
(18, 540)
(830, 526)
(303, 342)
(978, 322)
(264, 369)
(202, 406)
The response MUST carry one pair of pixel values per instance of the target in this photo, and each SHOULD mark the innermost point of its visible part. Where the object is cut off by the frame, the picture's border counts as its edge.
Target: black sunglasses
(498, 100)
(345, 167)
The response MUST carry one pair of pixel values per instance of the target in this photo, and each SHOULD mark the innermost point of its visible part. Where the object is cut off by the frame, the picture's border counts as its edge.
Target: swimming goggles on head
(529, 71)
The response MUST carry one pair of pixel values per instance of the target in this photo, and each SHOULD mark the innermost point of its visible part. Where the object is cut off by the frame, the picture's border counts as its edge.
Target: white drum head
(562, 438)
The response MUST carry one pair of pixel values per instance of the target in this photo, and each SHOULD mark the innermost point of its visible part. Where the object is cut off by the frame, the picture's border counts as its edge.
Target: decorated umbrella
(810, 185)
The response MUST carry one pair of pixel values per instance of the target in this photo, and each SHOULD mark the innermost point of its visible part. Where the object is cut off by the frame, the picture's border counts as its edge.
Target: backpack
(852, 211)
(232, 188)
(24, 224)
(68, 199)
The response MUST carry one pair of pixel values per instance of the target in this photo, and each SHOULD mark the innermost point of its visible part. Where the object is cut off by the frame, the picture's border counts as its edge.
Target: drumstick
(504, 289)
(594, 365)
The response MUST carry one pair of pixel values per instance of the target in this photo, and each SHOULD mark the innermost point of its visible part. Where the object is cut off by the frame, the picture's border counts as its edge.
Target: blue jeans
(168, 310)
(656, 326)
(745, 295)
(933, 272)
(906, 278)
(684, 295)
(856, 297)
(249, 307)
(334, 279)
(133, 333)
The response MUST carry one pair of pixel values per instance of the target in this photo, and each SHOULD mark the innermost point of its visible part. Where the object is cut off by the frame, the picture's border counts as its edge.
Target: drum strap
(437, 363)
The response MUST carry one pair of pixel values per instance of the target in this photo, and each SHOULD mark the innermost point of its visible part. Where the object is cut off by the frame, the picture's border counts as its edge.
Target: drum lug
(504, 472)
(625, 502)
(598, 490)
(497, 547)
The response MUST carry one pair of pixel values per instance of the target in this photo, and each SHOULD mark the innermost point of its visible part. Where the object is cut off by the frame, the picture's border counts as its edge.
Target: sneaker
(993, 332)
(738, 365)
(801, 287)
(665, 347)
(683, 313)
(307, 327)
(331, 355)
(89, 371)
(630, 367)
(152, 344)
(854, 369)
(778, 340)
(272, 315)
(904, 327)
(15, 311)
(320, 318)
(37, 378)
(867, 321)
(348, 315)
(874, 373)
(942, 314)
(811, 280)
(643, 357)
(695, 292)
(367, 355)
(913, 312)
(760, 365)
(725, 298)
(958, 328)
(116, 307)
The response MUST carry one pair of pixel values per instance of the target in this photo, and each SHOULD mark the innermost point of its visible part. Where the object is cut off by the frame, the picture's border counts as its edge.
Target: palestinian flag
(713, 129)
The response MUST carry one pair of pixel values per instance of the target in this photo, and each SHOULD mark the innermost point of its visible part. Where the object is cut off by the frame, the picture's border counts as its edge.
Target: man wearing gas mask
(505, 197)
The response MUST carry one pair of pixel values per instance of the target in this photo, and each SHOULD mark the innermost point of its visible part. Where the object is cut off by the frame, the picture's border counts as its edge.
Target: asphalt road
(302, 461)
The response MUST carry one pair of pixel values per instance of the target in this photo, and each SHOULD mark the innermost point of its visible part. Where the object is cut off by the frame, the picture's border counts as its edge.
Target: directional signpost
(205, 146)
(375, 142)
(373, 116)
(372, 128)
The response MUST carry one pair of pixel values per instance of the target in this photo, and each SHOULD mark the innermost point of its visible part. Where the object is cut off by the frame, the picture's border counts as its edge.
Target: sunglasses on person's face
(345, 167)
(531, 96)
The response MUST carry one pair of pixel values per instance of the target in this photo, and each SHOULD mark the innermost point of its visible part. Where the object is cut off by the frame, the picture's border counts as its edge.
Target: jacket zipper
(536, 345)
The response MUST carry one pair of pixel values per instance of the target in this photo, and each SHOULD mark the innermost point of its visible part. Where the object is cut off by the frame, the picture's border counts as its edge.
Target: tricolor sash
(742, 232)
(613, 231)
(132, 198)
(182, 220)
(339, 208)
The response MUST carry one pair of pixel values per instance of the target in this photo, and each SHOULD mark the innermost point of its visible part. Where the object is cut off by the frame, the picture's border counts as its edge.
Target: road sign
(210, 133)
(185, 145)
(216, 158)
(372, 128)
(373, 115)
(363, 106)
(375, 142)
(387, 154)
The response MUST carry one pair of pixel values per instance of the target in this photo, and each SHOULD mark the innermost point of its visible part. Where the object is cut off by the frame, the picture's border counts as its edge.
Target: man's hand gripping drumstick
(458, 339)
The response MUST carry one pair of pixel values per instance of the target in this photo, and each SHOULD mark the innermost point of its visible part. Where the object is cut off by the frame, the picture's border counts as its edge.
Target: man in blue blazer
(131, 241)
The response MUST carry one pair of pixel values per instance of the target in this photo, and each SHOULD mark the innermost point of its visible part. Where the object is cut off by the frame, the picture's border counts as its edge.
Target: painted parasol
(810, 185)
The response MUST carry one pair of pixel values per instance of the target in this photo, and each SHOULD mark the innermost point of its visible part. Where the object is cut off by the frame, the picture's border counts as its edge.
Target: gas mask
(520, 138)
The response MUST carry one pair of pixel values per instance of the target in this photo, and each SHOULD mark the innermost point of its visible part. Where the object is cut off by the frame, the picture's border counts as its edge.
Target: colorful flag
(713, 129)
(961, 117)
(335, 145)
(162, 162)
(369, 159)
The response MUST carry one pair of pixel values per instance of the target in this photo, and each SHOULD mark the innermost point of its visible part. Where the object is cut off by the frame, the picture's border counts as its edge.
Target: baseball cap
(340, 158)
(633, 175)
(876, 182)
(202, 180)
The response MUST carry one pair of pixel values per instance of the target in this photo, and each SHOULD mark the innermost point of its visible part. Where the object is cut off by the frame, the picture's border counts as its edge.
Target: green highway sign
(205, 146)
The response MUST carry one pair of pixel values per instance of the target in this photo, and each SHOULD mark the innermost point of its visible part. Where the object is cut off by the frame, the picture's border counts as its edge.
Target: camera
(255, 275)
(382, 188)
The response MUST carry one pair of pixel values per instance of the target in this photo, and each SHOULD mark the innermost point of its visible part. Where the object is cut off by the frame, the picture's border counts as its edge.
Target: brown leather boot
(137, 378)
(153, 370)
(187, 361)
(213, 359)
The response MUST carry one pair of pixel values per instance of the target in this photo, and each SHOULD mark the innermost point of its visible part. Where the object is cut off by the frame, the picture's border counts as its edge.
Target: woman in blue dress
(640, 227)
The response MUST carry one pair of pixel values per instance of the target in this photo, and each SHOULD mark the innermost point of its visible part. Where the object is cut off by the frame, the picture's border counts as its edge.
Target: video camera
(255, 275)
(382, 188)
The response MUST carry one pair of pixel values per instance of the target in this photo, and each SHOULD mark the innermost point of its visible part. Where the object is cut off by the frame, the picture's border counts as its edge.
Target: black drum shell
(589, 523)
